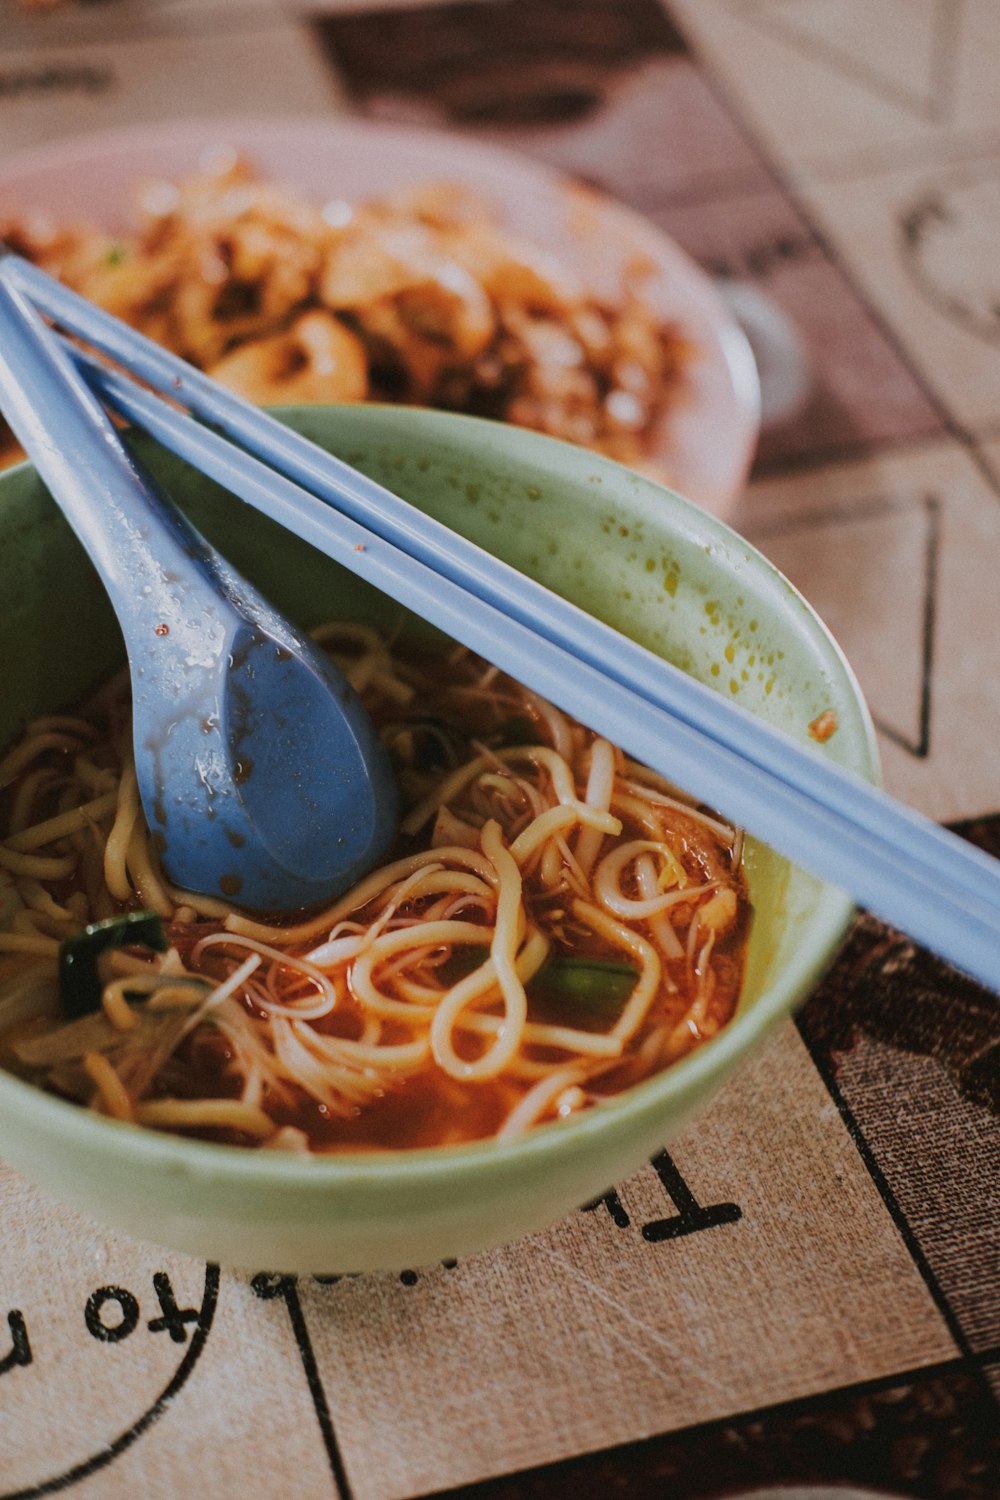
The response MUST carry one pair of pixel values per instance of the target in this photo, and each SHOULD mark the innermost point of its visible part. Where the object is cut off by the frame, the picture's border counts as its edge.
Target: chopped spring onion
(593, 987)
(80, 984)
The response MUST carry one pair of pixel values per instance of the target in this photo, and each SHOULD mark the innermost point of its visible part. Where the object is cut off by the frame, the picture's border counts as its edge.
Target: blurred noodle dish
(419, 298)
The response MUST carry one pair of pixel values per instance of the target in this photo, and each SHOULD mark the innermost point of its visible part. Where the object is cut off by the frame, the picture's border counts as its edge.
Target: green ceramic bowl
(628, 551)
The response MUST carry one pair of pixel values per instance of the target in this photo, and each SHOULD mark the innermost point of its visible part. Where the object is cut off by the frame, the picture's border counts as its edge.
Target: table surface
(806, 1290)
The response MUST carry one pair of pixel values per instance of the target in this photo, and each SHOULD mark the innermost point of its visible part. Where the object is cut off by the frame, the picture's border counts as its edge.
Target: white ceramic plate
(708, 438)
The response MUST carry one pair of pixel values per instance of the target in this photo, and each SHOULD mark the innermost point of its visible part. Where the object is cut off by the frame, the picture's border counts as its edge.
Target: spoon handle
(110, 503)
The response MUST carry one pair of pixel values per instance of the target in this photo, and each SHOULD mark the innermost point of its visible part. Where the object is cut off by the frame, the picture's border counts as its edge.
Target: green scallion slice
(79, 982)
(593, 987)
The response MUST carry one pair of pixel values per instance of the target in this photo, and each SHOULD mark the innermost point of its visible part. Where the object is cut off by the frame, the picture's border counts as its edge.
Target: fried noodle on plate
(419, 297)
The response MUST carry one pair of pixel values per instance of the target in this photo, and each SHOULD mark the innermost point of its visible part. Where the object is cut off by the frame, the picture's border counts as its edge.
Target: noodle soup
(555, 924)
(587, 529)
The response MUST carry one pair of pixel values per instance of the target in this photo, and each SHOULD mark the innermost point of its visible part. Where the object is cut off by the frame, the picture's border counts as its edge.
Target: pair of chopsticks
(913, 874)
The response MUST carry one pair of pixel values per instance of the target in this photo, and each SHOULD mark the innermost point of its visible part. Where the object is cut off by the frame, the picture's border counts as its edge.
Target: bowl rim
(142, 1147)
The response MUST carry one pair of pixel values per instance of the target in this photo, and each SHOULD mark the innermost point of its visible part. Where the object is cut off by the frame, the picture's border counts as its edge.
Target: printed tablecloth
(805, 1290)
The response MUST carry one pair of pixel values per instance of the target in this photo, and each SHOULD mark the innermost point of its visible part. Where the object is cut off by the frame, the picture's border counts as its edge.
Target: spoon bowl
(262, 778)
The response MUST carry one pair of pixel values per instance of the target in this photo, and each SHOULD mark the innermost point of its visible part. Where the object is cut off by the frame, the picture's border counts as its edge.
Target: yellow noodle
(34, 894)
(336, 1089)
(205, 1114)
(556, 723)
(559, 773)
(395, 1056)
(116, 1007)
(392, 686)
(427, 935)
(556, 818)
(29, 921)
(659, 921)
(600, 785)
(202, 906)
(111, 1092)
(29, 790)
(666, 795)
(639, 811)
(372, 886)
(20, 942)
(289, 960)
(176, 997)
(503, 955)
(120, 837)
(150, 888)
(63, 723)
(529, 1110)
(609, 894)
(289, 1138)
(646, 986)
(40, 866)
(93, 777)
(568, 1039)
(14, 762)
(457, 882)
(41, 834)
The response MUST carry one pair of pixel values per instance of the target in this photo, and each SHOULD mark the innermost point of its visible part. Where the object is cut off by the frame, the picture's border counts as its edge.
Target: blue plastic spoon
(261, 776)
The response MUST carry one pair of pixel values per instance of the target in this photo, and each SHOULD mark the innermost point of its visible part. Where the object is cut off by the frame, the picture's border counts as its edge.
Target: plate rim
(726, 341)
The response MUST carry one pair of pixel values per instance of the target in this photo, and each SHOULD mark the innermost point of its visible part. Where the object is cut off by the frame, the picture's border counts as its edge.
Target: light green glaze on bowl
(624, 548)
